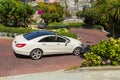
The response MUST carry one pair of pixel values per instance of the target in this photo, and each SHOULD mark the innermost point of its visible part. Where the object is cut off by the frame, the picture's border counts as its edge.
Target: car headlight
(82, 45)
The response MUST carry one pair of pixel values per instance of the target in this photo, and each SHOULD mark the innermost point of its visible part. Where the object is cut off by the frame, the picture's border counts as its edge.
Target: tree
(101, 8)
(67, 13)
(115, 15)
(59, 9)
(43, 6)
(46, 17)
(6, 8)
(106, 13)
(52, 9)
(90, 16)
(76, 1)
(12, 13)
(29, 12)
(109, 13)
(54, 17)
(51, 13)
(66, 9)
(79, 14)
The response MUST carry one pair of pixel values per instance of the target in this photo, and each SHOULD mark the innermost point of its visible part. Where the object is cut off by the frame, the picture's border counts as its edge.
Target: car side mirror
(67, 42)
(79, 38)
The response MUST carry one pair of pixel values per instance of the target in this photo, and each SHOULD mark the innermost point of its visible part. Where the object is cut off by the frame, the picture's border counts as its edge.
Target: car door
(55, 45)
(49, 44)
(63, 46)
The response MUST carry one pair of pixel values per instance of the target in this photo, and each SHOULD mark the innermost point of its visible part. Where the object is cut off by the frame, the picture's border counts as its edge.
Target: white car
(44, 42)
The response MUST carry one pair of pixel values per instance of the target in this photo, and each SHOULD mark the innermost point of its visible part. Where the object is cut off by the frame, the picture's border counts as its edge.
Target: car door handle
(43, 44)
(58, 44)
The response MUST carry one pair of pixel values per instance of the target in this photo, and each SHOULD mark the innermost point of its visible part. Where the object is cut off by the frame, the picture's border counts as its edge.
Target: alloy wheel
(36, 54)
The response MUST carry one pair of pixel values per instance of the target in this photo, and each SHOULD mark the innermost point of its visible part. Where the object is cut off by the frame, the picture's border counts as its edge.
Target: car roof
(45, 32)
(36, 34)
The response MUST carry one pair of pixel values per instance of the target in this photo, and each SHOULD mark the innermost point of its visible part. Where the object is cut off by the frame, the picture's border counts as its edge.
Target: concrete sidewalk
(109, 73)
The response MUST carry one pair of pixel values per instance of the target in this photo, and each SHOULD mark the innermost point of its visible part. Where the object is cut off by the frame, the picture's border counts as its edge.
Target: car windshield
(36, 34)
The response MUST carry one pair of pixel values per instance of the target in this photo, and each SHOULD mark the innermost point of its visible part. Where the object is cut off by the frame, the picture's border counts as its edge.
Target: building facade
(48, 1)
(72, 5)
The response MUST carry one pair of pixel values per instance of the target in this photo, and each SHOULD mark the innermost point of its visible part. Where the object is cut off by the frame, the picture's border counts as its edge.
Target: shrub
(13, 30)
(104, 53)
(98, 27)
(57, 25)
(75, 25)
(66, 32)
(92, 59)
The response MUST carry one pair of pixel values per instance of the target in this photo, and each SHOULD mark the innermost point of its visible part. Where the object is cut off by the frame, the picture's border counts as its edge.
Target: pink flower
(40, 12)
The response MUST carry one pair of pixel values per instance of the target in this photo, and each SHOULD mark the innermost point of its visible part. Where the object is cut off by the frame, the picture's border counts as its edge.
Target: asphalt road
(10, 65)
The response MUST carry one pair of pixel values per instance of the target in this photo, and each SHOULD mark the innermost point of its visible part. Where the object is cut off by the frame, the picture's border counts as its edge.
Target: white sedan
(44, 42)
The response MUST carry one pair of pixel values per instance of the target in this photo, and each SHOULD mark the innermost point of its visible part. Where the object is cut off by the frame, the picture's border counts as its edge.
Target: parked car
(44, 42)
(42, 25)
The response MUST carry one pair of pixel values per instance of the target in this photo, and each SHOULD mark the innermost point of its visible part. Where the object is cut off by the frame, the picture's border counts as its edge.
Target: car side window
(59, 39)
(52, 39)
(48, 39)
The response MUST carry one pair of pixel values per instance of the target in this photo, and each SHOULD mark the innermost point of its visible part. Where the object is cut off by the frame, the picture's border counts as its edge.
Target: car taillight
(20, 45)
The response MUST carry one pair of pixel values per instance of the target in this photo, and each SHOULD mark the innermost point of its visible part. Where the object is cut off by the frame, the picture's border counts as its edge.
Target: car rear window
(36, 34)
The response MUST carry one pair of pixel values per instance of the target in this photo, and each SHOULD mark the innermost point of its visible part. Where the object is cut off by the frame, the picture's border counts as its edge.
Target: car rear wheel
(77, 51)
(36, 54)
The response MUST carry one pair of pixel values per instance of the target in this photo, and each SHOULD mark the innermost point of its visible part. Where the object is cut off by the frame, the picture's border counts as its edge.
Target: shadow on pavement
(85, 49)
(55, 55)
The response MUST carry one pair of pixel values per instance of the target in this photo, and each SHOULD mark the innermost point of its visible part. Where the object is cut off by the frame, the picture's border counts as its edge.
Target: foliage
(76, 1)
(59, 9)
(91, 16)
(56, 25)
(14, 12)
(104, 12)
(104, 53)
(75, 25)
(92, 60)
(98, 27)
(12, 30)
(65, 32)
(79, 14)
(15, 30)
(72, 68)
(42, 6)
(51, 13)
(67, 13)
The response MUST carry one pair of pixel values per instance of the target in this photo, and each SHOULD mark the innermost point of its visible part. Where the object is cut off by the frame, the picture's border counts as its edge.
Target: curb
(100, 68)
(6, 38)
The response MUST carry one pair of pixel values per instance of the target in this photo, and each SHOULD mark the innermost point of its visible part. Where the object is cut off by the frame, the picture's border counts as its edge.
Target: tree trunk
(66, 8)
(113, 31)
(113, 28)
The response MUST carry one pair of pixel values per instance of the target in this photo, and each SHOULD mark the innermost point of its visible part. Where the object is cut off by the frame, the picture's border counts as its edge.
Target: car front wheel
(77, 51)
(36, 54)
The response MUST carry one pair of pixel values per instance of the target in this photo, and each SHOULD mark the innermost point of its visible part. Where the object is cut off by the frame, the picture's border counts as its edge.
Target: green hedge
(104, 53)
(12, 30)
(66, 32)
(57, 25)
(15, 30)
(99, 27)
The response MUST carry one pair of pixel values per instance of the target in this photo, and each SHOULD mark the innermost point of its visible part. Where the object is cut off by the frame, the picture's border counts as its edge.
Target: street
(10, 65)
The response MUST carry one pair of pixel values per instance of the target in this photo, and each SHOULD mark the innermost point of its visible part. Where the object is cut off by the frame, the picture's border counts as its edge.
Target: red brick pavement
(90, 36)
(10, 65)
